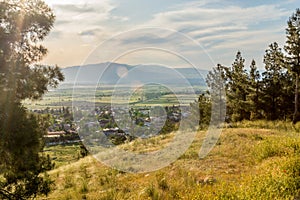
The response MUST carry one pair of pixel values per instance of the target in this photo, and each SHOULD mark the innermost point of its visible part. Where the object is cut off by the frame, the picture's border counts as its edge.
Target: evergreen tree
(273, 82)
(254, 91)
(237, 84)
(21, 164)
(292, 47)
(23, 25)
(216, 82)
(202, 110)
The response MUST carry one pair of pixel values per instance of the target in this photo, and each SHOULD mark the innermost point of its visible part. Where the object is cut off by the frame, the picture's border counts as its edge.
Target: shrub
(275, 147)
(281, 182)
(152, 192)
(68, 182)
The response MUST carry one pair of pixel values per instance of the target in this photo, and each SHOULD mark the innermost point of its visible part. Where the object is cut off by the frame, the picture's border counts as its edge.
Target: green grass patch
(63, 154)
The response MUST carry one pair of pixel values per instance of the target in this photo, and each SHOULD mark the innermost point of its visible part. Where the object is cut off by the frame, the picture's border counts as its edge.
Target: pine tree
(254, 91)
(216, 82)
(201, 110)
(23, 25)
(237, 84)
(292, 48)
(273, 82)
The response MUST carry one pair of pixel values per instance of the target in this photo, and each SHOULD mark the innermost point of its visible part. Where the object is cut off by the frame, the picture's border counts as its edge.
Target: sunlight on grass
(246, 163)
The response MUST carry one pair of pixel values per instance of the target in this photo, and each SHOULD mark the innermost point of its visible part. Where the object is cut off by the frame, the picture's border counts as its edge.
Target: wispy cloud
(90, 32)
(220, 26)
(85, 15)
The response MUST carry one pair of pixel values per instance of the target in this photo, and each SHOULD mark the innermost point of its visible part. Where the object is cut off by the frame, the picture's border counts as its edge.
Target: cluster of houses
(138, 117)
(64, 130)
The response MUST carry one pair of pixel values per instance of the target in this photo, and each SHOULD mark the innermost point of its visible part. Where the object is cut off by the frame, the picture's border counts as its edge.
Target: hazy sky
(170, 32)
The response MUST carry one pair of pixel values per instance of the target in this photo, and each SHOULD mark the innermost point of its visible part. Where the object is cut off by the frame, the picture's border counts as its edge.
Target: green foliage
(251, 95)
(270, 95)
(23, 25)
(169, 127)
(254, 92)
(21, 163)
(236, 88)
(264, 124)
(279, 181)
(277, 85)
(202, 110)
(275, 148)
(292, 47)
(216, 82)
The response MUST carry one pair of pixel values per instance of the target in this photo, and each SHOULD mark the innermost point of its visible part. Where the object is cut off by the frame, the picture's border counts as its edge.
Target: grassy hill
(246, 163)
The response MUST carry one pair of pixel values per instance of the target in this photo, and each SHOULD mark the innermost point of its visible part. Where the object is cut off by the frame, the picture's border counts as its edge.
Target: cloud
(73, 8)
(147, 38)
(83, 16)
(230, 15)
(90, 32)
(223, 27)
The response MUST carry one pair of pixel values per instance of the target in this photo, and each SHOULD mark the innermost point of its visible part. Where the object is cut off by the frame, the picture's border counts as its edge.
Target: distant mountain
(115, 73)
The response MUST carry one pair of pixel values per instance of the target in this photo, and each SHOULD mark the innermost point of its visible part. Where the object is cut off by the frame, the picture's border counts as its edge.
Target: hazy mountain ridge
(115, 73)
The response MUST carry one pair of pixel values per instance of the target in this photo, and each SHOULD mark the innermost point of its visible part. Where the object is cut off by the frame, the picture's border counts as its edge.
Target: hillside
(247, 163)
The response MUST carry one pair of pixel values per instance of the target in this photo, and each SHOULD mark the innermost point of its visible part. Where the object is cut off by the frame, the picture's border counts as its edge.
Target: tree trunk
(296, 112)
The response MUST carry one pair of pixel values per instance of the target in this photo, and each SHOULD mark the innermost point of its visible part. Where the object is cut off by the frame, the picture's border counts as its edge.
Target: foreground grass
(246, 163)
(63, 154)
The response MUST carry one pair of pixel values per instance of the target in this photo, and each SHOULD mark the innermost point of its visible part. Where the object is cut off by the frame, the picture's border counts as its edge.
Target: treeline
(246, 93)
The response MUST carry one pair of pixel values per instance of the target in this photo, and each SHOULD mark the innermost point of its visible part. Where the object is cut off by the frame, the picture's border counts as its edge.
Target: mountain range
(116, 73)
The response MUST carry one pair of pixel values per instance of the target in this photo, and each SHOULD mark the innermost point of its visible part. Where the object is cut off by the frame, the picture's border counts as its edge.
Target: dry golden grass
(232, 170)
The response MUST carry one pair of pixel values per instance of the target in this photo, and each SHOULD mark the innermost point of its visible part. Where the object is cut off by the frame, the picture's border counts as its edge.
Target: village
(140, 122)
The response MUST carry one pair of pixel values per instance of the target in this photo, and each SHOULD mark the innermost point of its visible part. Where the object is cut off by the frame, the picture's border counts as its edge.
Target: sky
(176, 33)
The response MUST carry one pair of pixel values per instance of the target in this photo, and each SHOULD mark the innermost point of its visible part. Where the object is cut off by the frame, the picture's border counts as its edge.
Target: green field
(63, 155)
(152, 95)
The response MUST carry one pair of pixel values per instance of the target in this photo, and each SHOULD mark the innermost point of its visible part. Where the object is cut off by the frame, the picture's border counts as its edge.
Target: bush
(265, 124)
(281, 181)
(274, 147)
(297, 127)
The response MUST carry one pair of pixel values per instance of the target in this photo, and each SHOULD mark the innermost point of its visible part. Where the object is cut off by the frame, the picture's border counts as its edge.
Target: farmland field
(145, 96)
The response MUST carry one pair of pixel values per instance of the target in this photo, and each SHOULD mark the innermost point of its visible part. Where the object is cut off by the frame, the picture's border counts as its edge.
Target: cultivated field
(149, 95)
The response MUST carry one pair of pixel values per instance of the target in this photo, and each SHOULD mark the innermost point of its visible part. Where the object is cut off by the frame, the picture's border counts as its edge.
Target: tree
(201, 110)
(292, 48)
(254, 91)
(236, 87)
(274, 82)
(216, 82)
(23, 25)
(21, 164)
